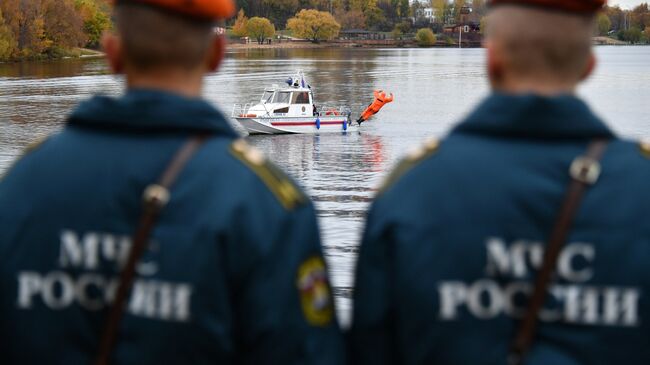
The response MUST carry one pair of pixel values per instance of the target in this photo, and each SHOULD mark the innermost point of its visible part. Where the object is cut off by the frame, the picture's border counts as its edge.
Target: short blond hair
(154, 38)
(541, 43)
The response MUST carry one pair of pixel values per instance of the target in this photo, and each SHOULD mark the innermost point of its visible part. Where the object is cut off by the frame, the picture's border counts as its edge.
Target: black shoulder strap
(155, 198)
(585, 171)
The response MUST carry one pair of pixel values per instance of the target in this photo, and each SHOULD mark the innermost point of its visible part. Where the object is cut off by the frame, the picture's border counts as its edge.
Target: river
(434, 88)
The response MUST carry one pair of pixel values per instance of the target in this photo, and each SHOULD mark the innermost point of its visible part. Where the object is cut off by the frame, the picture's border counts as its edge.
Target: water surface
(434, 88)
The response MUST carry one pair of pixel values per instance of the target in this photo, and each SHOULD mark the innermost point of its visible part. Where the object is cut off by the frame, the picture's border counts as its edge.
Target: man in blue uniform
(233, 273)
(460, 231)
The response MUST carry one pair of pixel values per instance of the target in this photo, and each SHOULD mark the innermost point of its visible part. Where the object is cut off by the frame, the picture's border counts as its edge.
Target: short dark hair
(154, 38)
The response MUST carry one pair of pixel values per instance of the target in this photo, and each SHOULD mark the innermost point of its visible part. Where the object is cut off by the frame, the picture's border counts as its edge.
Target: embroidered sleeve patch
(315, 292)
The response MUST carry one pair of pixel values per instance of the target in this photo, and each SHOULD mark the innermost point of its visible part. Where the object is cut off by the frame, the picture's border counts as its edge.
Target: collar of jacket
(151, 111)
(534, 116)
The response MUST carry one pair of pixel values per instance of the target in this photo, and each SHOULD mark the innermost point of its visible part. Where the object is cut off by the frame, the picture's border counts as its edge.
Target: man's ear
(591, 66)
(217, 52)
(495, 64)
(112, 45)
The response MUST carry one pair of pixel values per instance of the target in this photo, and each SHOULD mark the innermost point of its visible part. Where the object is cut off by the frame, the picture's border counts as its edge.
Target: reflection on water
(434, 88)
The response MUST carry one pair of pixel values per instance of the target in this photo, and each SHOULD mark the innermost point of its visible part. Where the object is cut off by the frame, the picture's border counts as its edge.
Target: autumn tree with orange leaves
(49, 28)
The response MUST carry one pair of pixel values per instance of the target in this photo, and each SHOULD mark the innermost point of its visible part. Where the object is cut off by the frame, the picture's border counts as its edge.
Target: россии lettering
(573, 302)
(92, 291)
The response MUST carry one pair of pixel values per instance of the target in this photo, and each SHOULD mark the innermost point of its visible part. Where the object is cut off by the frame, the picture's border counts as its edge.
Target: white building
(426, 13)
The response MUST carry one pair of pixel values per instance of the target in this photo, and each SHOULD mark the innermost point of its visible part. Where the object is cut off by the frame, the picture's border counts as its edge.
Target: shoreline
(75, 53)
(441, 43)
(85, 53)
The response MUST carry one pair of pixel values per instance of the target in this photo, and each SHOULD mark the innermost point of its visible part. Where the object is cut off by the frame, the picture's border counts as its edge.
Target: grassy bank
(57, 54)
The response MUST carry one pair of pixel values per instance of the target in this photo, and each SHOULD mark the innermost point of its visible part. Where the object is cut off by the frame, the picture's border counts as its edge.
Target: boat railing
(329, 109)
(242, 110)
(239, 110)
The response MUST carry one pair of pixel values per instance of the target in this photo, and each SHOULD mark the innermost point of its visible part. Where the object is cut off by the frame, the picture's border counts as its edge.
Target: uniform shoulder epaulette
(277, 181)
(411, 160)
(644, 148)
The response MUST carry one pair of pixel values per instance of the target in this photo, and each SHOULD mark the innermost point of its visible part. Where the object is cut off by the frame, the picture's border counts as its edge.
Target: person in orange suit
(380, 100)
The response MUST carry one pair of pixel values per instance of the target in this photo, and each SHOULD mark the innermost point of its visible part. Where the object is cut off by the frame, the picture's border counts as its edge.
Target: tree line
(317, 20)
(376, 15)
(50, 28)
(402, 16)
(626, 25)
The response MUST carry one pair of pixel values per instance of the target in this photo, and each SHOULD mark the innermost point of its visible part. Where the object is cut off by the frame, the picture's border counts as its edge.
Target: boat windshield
(300, 98)
(282, 97)
(267, 97)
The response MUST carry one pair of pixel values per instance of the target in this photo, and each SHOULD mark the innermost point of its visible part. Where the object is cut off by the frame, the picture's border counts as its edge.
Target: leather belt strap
(584, 171)
(155, 199)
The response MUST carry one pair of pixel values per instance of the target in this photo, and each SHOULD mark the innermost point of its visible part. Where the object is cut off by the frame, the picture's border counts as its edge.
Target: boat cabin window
(267, 97)
(282, 97)
(300, 98)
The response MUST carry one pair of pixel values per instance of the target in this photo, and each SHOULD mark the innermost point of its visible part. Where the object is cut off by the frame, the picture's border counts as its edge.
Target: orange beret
(586, 7)
(203, 9)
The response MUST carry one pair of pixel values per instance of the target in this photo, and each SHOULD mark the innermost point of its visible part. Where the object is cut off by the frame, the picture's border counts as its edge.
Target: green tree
(646, 34)
(239, 28)
(314, 25)
(404, 8)
(376, 18)
(425, 37)
(397, 33)
(260, 29)
(633, 35)
(362, 5)
(95, 28)
(404, 27)
(401, 29)
(458, 4)
(604, 24)
(96, 20)
(441, 8)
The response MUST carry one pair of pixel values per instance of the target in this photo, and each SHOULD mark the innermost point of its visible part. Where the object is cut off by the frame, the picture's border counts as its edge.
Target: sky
(626, 4)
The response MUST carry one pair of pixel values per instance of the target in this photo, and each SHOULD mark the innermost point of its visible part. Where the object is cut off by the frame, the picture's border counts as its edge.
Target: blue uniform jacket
(234, 273)
(452, 245)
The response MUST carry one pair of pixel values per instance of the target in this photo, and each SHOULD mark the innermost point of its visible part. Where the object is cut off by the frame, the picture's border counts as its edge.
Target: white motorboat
(291, 109)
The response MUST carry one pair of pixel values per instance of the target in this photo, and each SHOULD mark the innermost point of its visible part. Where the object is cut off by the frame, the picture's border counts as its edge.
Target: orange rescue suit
(380, 100)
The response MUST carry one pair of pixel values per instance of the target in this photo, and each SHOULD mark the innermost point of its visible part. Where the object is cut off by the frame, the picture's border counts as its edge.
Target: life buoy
(332, 112)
